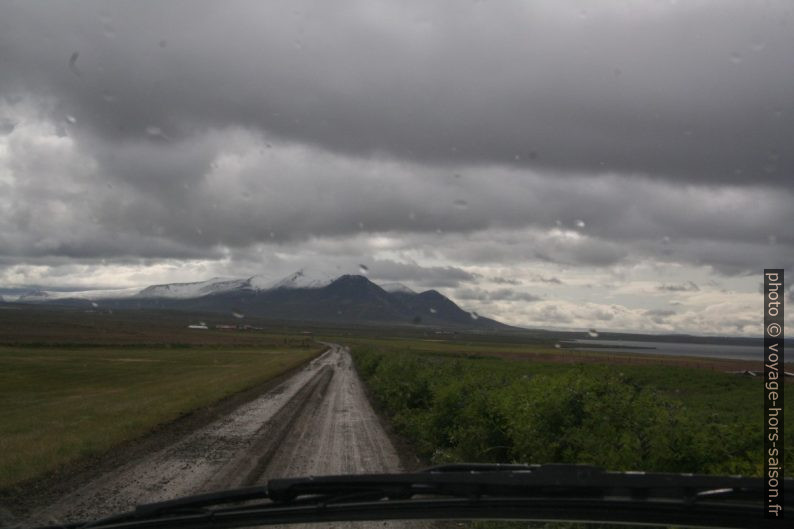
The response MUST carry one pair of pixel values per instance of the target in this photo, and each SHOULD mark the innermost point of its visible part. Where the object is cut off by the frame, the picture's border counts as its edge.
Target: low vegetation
(59, 404)
(481, 407)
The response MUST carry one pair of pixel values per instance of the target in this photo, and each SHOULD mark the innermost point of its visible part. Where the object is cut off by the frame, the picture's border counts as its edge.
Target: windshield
(242, 241)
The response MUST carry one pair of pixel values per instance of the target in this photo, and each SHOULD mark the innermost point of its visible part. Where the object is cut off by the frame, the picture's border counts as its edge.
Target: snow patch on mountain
(258, 282)
(191, 290)
(36, 295)
(91, 295)
(113, 293)
(303, 278)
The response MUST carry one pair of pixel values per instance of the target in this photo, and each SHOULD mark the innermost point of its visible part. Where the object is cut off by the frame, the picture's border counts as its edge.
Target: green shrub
(491, 410)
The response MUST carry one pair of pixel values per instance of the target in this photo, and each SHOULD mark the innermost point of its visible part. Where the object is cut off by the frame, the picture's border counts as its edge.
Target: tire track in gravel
(316, 422)
(340, 435)
(246, 467)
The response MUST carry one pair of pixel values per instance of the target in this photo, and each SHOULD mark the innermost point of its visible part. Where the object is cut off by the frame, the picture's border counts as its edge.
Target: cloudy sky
(546, 163)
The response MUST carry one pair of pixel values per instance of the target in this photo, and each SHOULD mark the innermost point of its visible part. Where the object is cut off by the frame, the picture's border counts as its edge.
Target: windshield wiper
(470, 491)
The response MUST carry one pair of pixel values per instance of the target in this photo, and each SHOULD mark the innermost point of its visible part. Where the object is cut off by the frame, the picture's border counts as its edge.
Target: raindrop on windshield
(154, 131)
(557, 346)
(94, 304)
(108, 30)
(580, 223)
(71, 119)
(6, 126)
(363, 269)
(73, 64)
(238, 315)
(432, 310)
(474, 315)
(593, 333)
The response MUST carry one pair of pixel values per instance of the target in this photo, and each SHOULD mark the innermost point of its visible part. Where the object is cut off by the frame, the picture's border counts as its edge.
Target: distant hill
(301, 296)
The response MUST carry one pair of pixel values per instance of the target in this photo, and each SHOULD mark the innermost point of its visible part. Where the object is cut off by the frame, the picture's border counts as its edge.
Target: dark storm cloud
(699, 92)
(505, 281)
(427, 276)
(553, 313)
(689, 286)
(543, 279)
(6, 126)
(475, 133)
(536, 277)
(659, 315)
(500, 294)
(227, 190)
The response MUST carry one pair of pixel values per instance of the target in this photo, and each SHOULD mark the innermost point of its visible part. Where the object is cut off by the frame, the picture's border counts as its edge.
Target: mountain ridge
(300, 296)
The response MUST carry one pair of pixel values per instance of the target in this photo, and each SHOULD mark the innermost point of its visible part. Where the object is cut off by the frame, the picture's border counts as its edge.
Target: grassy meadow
(459, 400)
(64, 400)
(75, 384)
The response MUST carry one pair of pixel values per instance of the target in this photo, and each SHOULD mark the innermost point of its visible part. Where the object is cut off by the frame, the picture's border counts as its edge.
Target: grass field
(75, 384)
(532, 349)
(60, 403)
(474, 401)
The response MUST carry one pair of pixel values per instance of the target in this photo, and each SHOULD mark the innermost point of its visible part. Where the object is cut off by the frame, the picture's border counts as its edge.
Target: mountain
(39, 295)
(301, 279)
(432, 305)
(302, 296)
(191, 290)
(36, 295)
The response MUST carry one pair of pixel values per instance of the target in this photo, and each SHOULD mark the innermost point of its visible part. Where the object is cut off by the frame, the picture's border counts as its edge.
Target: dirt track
(318, 421)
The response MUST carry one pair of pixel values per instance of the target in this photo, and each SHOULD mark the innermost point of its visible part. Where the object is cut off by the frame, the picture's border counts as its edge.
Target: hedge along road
(318, 421)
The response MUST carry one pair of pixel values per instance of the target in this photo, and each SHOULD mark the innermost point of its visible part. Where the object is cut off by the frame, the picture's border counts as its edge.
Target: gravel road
(318, 421)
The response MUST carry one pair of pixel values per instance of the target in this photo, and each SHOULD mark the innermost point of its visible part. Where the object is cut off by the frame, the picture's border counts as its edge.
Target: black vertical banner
(773, 392)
